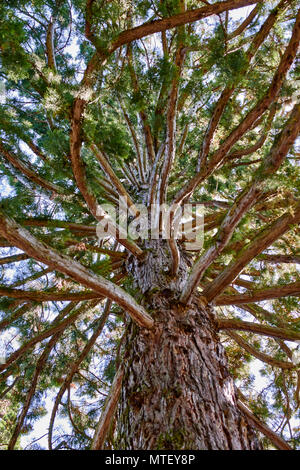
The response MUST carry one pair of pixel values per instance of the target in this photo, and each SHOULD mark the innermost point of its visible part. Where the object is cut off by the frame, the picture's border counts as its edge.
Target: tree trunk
(177, 392)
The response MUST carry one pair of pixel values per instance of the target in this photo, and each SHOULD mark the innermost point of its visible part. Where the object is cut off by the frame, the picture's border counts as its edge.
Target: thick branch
(40, 251)
(258, 354)
(108, 411)
(264, 330)
(251, 250)
(178, 20)
(278, 442)
(245, 200)
(259, 295)
(44, 296)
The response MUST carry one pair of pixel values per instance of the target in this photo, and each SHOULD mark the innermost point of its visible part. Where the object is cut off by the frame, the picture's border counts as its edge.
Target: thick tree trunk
(177, 392)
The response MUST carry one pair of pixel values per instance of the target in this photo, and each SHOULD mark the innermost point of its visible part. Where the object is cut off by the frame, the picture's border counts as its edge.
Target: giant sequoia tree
(143, 343)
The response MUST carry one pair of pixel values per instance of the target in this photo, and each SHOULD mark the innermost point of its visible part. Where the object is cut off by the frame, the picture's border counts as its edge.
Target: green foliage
(36, 124)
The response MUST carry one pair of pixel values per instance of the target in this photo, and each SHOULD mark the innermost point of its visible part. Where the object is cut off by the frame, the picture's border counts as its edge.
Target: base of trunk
(177, 392)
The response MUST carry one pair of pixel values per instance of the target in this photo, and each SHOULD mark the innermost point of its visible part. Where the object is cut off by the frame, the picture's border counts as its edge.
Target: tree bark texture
(177, 392)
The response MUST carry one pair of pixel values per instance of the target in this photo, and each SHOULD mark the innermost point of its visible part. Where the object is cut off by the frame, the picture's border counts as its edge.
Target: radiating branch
(245, 200)
(254, 114)
(277, 440)
(258, 354)
(75, 366)
(251, 250)
(259, 295)
(44, 296)
(264, 330)
(103, 160)
(13, 259)
(30, 174)
(247, 21)
(50, 45)
(108, 411)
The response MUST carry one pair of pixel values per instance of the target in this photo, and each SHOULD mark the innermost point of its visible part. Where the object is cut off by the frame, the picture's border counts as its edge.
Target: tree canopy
(160, 101)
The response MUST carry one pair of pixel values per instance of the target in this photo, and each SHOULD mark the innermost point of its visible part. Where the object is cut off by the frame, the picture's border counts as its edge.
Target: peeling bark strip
(177, 392)
(24, 240)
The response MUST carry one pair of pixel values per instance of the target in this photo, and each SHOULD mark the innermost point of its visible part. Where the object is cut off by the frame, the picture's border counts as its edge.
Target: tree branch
(44, 296)
(259, 295)
(24, 240)
(13, 259)
(258, 354)
(50, 45)
(278, 442)
(255, 113)
(180, 19)
(245, 200)
(89, 345)
(278, 259)
(103, 160)
(241, 28)
(108, 411)
(31, 391)
(250, 251)
(31, 175)
(264, 330)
